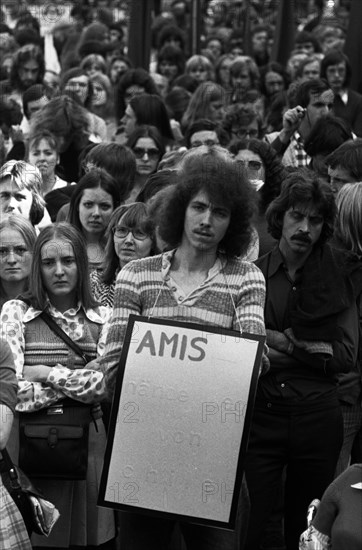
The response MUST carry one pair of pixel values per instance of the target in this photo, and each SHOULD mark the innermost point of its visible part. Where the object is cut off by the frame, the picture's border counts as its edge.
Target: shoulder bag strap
(68, 341)
(10, 468)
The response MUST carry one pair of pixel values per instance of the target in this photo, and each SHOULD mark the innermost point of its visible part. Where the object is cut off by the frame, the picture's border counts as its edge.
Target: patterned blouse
(20, 323)
(232, 297)
(102, 292)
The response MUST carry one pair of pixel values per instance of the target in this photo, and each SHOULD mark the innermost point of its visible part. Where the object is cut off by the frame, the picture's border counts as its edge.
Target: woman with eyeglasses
(17, 239)
(130, 236)
(148, 147)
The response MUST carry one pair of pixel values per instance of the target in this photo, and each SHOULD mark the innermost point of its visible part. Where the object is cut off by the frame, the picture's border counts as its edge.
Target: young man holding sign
(206, 217)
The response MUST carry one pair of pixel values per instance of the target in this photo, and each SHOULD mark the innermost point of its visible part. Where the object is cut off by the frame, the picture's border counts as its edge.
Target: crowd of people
(221, 188)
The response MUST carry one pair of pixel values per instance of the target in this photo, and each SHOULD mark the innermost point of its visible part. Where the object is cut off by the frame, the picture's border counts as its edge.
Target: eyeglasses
(252, 164)
(242, 133)
(140, 152)
(122, 232)
(208, 142)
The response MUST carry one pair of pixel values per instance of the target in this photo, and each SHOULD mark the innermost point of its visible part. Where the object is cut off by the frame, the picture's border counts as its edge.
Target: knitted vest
(44, 347)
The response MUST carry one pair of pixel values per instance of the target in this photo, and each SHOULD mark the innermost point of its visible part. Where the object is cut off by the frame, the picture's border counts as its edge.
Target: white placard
(179, 420)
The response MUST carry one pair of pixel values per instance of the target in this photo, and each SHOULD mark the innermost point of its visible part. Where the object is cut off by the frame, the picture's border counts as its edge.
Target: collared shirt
(298, 153)
(343, 94)
(292, 154)
(231, 297)
(298, 381)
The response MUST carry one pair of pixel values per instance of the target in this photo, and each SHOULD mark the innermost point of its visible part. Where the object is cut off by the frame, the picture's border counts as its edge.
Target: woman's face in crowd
(199, 73)
(78, 85)
(44, 157)
(99, 94)
(59, 269)
(252, 163)
(95, 209)
(147, 156)
(130, 243)
(129, 120)
(14, 200)
(15, 257)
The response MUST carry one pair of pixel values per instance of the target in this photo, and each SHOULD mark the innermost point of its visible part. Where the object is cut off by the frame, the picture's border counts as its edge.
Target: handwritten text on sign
(180, 420)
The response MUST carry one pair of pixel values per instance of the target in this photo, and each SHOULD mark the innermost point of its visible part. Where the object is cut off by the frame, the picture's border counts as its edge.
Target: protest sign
(179, 422)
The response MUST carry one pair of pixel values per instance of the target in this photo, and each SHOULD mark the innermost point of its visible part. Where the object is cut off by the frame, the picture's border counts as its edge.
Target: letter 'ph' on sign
(180, 421)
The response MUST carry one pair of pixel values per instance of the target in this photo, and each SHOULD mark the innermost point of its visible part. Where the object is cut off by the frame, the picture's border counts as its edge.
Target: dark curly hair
(225, 182)
(303, 187)
(274, 169)
(132, 77)
(242, 114)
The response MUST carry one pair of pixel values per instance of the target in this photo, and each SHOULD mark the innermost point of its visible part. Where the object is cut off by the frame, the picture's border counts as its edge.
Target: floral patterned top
(65, 378)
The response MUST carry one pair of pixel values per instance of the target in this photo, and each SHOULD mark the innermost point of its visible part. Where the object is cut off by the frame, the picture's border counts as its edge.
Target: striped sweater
(232, 297)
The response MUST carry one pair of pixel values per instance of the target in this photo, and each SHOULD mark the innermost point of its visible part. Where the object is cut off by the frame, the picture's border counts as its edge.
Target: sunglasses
(140, 152)
(122, 232)
(252, 164)
(242, 133)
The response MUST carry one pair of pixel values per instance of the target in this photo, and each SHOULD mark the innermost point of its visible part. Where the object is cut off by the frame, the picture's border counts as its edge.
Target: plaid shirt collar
(297, 145)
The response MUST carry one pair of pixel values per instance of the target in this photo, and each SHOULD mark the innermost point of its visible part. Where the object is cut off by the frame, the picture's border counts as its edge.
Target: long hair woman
(49, 372)
(208, 101)
(130, 236)
(69, 122)
(91, 206)
(148, 109)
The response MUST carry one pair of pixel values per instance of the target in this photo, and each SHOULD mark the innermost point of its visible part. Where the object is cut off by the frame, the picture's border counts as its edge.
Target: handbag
(39, 515)
(54, 440)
